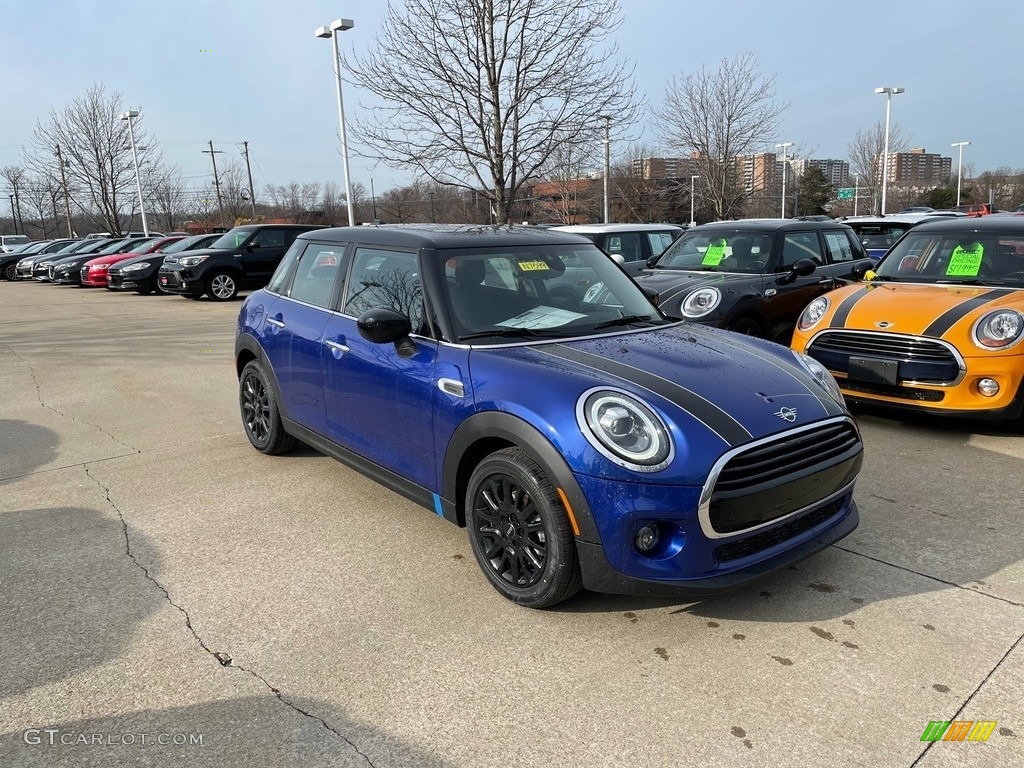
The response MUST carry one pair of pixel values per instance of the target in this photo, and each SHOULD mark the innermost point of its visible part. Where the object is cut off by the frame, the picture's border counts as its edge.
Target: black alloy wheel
(519, 531)
(260, 417)
(11, 271)
(748, 326)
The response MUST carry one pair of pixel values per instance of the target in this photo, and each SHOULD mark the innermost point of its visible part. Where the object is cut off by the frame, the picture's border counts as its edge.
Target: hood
(174, 257)
(715, 386)
(152, 258)
(113, 258)
(673, 284)
(916, 309)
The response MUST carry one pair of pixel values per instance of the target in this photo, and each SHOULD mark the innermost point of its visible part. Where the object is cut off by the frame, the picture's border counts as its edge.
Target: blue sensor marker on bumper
(437, 505)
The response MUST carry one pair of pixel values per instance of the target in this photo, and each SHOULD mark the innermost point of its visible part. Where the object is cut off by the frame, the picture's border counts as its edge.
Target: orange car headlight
(998, 330)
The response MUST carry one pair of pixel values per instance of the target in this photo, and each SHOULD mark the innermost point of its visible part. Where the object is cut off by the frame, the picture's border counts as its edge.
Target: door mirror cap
(383, 326)
(618, 258)
(651, 294)
(861, 268)
(252, 246)
(801, 268)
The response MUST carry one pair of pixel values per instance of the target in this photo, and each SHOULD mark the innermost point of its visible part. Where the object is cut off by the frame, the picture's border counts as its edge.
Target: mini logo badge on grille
(883, 324)
(786, 414)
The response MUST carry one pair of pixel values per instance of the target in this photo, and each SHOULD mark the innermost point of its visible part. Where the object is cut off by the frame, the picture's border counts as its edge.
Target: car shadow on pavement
(246, 731)
(70, 597)
(36, 447)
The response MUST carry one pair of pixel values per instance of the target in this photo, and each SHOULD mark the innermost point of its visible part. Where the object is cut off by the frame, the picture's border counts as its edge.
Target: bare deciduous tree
(479, 94)
(166, 197)
(865, 152)
(14, 175)
(713, 116)
(95, 143)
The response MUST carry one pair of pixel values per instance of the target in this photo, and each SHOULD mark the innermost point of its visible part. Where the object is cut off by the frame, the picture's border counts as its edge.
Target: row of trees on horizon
(486, 142)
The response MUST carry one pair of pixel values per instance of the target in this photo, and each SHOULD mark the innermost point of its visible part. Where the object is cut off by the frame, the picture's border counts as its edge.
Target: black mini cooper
(753, 276)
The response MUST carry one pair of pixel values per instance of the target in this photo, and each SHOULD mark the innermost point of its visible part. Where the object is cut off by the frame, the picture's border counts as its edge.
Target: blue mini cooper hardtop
(594, 444)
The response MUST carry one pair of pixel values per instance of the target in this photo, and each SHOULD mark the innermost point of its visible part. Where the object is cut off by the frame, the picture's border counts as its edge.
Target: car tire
(748, 326)
(519, 531)
(222, 286)
(260, 415)
(11, 272)
(144, 291)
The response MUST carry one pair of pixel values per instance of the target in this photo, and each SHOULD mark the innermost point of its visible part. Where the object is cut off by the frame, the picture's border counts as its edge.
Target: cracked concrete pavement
(157, 576)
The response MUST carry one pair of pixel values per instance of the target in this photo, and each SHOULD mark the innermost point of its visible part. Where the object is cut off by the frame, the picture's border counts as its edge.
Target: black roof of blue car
(446, 236)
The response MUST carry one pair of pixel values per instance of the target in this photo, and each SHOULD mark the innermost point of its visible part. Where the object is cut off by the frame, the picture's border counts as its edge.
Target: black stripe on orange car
(952, 316)
(845, 306)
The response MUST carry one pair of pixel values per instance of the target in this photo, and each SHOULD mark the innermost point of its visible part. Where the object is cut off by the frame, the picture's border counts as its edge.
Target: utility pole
(14, 215)
(19, 221)
(248, 170)
(607, 164)
(216, 181)
(431, 207)
(373, 199)
(64, 189)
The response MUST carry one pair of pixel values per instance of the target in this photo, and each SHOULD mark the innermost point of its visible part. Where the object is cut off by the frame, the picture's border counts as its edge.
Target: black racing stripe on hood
(952, 316)
(716, 419)
(846, 306)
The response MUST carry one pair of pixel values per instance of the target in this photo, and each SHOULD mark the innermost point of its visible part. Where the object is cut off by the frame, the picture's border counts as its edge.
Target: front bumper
(94, 279)
(687, 561)
(179, 281)
(128, 281)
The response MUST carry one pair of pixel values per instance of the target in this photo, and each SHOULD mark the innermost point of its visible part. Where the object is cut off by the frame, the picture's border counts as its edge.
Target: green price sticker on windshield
(965, 262)
(714, 254)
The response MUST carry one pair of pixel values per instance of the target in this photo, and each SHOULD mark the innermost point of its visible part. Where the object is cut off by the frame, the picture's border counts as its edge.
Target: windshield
(70, 247)
(34, 248)
(181, 245)
(547, 291)
(720, 250)
(233, 239)
(879, 235)
(967, 257)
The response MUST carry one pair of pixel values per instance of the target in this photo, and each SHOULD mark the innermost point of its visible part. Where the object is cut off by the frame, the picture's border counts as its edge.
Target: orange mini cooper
(937, 327)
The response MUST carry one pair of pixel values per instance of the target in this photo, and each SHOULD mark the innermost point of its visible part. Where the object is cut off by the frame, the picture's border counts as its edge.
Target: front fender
(488, 426)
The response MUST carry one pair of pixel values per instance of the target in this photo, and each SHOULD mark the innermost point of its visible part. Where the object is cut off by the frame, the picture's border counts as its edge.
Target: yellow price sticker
(965, 262)
(533, 266)
(869, 275)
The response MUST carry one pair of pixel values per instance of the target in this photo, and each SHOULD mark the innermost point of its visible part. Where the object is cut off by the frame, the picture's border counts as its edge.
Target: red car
(94, 273)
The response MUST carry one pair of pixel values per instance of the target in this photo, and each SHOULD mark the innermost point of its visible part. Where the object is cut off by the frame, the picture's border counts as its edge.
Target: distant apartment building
(836, 171)
(760, 172)
(663, 167)
(917, 167)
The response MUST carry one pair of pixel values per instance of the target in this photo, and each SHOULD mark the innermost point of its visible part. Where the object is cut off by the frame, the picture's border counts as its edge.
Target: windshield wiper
(973, 281)
(520, 333)
(625, 320)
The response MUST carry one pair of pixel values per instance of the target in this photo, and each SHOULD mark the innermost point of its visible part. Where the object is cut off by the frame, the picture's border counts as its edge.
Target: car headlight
(191, 261)
(701, 302)
(813, 313)
(136, 267)
(821, 375)
(998, 330)
(624, 430)
(45, 263)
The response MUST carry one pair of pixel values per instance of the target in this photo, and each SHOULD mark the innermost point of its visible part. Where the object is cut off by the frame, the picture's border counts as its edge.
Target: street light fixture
(889, 92)
(129, 116)
(959, 166)
(331, 31)
(693, 187)
(783, 146)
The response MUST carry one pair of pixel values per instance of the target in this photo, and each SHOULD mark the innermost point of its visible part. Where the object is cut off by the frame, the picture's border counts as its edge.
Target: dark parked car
(38, 267)
(245, 257)
(9, 261)
(753, 276)
(139, 274)
(607, 447)
(69, 271)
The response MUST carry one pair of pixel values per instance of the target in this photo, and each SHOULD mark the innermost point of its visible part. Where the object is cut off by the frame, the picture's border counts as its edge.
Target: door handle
(337, 348)
(275, 323)
(826, 281)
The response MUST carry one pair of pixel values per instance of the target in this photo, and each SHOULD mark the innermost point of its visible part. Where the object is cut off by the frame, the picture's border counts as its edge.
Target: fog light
(647, 538)
(988, 387)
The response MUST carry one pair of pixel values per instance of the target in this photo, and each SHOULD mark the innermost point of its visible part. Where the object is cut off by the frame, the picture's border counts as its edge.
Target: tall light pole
(331, 31)
(783, 146)
(889, 92)
(607, 165)
(693, 188)
(130, 115)
(959, 166)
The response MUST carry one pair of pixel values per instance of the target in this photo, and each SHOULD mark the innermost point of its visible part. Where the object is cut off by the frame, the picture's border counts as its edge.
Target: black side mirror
(651, 294)
(652, 260)
(861, 268)
(252, 246)
(385, 326)
(801, 268)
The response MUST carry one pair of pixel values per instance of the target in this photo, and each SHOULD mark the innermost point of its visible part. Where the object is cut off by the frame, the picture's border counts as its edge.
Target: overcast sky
(234, 70)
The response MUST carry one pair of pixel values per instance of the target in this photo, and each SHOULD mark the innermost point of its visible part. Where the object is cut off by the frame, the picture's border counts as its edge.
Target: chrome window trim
(961, 363)
(704, 507)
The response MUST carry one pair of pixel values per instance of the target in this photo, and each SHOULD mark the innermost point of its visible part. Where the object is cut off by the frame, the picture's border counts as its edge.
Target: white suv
(9, 243)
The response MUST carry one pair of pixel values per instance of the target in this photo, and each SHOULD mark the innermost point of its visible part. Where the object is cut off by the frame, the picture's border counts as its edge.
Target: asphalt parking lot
(160, 579)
